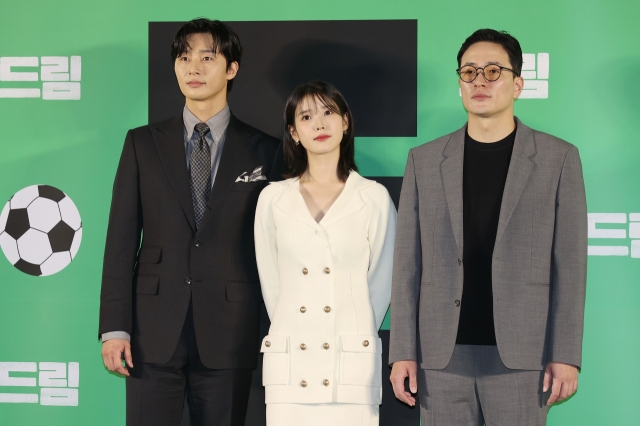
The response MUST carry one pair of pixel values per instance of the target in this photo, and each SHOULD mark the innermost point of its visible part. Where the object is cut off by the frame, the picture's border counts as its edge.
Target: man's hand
(400, 371)
(563, 380)
(112, 355)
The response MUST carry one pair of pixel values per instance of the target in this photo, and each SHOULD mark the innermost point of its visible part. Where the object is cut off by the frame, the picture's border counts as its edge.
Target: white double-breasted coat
(327, 287)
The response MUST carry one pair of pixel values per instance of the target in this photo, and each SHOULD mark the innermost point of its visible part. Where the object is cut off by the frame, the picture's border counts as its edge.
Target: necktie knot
(202, 130)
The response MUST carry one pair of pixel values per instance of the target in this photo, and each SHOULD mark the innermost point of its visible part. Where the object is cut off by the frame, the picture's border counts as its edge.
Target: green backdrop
(74, 145)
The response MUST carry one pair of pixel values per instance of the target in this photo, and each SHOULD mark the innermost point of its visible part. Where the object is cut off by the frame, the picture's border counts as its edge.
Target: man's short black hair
(503, 38)
(225, 41)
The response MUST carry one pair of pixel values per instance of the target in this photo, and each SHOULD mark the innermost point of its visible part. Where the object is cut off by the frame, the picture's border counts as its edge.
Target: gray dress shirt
(215, 138)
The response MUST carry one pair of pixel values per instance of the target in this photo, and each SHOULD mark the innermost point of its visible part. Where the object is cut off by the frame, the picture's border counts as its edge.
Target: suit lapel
(169, 140)
(519, 170)
(292, 204)
(233, 152)
(451, 169)
(347, 203)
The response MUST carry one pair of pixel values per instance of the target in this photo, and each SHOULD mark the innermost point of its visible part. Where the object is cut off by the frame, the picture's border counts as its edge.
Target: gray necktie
(200, 165)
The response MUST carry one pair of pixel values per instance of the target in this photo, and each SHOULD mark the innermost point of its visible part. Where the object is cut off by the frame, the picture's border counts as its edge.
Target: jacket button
(267, 344)
(196, 243)
(365, 343)
(187, 280)
(305, 271)
(457, 303)
(327, 270)
(303, 384)
(327, 309)
(459, 261)
(325, 382)
(303, 346)
(326, 346)
(303, 309)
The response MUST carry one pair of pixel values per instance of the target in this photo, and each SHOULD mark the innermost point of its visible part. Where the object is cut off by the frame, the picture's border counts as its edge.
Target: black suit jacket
(155, 261)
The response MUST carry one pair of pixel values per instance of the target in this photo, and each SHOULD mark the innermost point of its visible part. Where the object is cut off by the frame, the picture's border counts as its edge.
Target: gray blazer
(539, 258)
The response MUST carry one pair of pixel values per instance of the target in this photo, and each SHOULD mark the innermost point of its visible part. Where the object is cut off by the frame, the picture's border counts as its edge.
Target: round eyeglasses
(469, 73)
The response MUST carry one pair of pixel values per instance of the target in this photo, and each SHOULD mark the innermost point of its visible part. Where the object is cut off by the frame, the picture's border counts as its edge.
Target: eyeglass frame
(483, 76)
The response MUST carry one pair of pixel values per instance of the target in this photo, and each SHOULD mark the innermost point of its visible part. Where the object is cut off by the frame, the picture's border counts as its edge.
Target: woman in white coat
(324, 245)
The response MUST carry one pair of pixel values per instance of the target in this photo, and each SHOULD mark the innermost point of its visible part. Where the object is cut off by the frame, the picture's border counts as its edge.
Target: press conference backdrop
(76, 75)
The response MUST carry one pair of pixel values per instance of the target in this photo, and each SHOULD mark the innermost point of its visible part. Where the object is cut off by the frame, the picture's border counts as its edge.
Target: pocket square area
(255, 176)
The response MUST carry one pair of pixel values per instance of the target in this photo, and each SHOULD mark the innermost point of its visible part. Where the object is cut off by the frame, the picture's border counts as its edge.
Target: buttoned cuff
(116, 335)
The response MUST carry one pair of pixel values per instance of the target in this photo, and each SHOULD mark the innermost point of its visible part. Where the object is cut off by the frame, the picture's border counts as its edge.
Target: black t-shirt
(485, 173)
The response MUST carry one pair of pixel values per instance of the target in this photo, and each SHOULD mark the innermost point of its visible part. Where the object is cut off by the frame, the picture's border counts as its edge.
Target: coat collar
(169, 138)
(524, 148)
(348, 202)
(520, 167)
(233, 153)
(451, 170)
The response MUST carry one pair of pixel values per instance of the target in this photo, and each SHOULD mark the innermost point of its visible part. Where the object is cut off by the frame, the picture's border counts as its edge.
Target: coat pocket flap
(150, 255)
(147, 284)
(244, 291)
(275, 343)
(361, 343)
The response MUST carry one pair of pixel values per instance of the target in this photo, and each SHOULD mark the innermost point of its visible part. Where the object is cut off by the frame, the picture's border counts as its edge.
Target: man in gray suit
(490, 259)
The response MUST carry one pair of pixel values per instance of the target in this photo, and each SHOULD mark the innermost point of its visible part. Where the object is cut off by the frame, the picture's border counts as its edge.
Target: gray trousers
(476, 388)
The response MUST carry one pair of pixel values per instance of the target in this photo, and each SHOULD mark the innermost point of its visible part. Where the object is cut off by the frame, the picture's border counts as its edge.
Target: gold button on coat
(303, 309)
(303, 384)
(325, 382)
(267, 343)
(326, 346)
(327, 270)
(305, 271)
(303, 346)
(365, 343)
(327, 309)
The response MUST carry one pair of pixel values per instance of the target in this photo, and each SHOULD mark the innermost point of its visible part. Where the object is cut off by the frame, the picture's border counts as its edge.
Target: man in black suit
(180, 289)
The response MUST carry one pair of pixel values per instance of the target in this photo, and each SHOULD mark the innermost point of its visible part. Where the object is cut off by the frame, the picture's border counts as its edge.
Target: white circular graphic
(40, 230)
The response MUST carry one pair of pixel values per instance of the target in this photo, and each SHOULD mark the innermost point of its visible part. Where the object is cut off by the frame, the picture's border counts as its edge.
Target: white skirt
(322, 415)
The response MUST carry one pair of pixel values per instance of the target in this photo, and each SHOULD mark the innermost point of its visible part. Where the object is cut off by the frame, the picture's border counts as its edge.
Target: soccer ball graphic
(40, 230)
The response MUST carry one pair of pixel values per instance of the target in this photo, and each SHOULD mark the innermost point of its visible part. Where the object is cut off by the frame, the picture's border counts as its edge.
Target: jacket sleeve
(267, 250)
(382, 231)
(569, 265)
(123, 242)
(407, 271)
